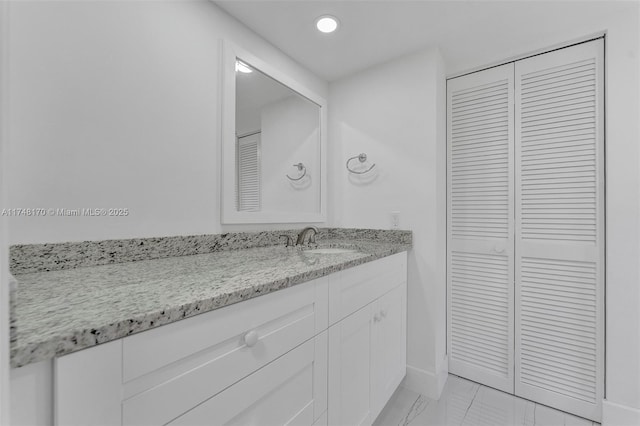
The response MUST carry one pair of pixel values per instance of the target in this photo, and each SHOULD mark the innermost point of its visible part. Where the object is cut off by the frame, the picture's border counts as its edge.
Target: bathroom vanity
(324, 343)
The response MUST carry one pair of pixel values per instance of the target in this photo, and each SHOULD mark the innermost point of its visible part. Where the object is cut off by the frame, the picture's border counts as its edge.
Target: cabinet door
(350, 369)
(480, 226)
(389, 349)
(78, 401)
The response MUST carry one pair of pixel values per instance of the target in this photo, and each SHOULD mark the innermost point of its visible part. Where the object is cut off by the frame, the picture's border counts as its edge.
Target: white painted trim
(4, 240)
(229, 214)
(619, 415)
(425, 382)
(418, 380)
(32, 394)
(540, 51)
(443, 375)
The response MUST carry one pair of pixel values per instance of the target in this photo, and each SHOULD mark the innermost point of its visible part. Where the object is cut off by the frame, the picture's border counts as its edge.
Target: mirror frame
(228, 181)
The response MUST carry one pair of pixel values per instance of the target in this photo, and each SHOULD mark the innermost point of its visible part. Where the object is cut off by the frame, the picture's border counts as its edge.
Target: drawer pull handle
(376, 317)
(251, 338)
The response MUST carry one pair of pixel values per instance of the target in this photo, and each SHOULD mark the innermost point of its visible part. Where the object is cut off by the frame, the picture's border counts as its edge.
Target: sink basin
(330, 250)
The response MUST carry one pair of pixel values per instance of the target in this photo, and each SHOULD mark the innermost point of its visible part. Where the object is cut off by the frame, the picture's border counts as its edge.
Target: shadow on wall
(364, 179)
(302, 184)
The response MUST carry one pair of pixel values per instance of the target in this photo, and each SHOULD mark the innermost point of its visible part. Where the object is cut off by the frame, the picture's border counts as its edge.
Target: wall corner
(425, 382)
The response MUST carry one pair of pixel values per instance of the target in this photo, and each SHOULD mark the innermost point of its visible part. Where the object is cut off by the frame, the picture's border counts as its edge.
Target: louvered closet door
(559, 229)
(248, 166)
(480, 226)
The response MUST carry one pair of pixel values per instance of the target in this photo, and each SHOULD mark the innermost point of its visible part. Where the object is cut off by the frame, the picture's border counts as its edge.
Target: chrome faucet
(302, 235)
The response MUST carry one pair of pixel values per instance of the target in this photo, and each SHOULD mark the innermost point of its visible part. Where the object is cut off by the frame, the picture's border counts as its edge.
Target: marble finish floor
(467, 403)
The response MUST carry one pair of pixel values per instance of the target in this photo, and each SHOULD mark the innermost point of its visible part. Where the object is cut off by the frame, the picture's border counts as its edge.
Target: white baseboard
(425, 382)
(619, 415)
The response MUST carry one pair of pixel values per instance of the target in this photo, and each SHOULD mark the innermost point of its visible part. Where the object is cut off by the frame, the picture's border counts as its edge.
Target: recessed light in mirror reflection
(243, 68)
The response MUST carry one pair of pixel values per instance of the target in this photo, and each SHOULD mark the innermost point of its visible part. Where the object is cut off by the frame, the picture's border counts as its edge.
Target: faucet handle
(289, 241)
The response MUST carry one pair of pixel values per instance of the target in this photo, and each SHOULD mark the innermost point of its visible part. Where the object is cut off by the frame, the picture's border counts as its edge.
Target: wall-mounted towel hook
(362, 158)
(301, 168)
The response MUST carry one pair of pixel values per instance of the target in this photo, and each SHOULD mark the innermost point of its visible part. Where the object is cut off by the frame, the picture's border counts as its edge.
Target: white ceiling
(469, 33)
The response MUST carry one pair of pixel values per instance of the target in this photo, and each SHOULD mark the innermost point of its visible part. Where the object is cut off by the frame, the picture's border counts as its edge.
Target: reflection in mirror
(276, 129)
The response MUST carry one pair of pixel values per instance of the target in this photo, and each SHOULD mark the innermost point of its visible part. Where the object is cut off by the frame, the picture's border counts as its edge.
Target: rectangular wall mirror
(273, 144)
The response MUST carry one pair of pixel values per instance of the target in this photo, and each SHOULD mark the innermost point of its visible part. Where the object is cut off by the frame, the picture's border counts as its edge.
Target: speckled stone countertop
(61, 311)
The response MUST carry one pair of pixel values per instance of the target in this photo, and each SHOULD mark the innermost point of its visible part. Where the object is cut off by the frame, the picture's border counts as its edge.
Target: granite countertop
(62, 311)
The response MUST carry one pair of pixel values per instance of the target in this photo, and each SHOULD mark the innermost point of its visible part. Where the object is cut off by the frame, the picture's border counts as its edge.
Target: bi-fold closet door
(480, 270)
(526, 228)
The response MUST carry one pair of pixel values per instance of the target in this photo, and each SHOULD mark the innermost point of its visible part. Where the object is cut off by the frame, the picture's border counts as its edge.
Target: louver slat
(248, 166)
(558, 160)
(479, 151)
(480, 303)
(557, 304)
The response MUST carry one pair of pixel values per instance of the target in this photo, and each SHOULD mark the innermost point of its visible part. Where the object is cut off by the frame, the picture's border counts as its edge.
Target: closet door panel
(559, 144)
(480, 226)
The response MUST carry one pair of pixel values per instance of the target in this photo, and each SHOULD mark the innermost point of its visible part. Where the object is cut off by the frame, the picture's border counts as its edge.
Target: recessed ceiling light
(242, 67)
(327, 24)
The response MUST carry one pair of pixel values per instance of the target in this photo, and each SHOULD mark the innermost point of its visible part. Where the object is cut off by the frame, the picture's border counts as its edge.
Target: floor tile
(545, 416)
(402, 405)
(451, 408)
(492, 407)
(571, 420)
(529, 414)
(467, 403)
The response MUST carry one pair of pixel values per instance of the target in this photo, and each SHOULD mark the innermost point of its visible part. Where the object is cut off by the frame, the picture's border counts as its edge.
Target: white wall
(116, 104)
(4, 241)
(394, 113)
(247, 120)
(290, 135)
(623, 220)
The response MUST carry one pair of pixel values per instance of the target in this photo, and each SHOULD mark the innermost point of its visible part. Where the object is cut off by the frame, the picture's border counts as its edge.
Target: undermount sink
(330, 250)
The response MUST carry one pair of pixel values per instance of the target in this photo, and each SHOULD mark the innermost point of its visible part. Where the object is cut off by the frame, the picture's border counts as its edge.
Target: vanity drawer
(351, 289)
(169, 370)
(290, 390)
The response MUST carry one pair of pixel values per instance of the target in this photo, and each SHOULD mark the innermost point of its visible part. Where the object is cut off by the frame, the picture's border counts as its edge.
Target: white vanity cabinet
(367, 341)
(318, 353)
(159, 376)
